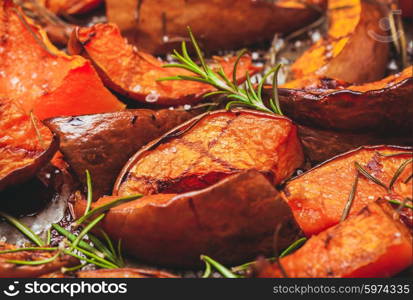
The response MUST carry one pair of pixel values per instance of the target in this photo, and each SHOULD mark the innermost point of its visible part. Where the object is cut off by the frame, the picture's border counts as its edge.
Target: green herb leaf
(369, 176)
(207, 272)
(71, 237)
(23, 228)
(87, 229)
(400, 203)
(35, 262)
(107, 206)
(28, 249)
(394, 154)
(89, 192)
(351, 197)
(248, 96)
(220, 268)
(399, 171)
(294, 246)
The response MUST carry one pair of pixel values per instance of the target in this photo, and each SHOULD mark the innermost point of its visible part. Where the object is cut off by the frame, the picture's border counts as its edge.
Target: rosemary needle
(248, 95)
(220, 268)
(294, 246)
(89, 192)
(28, 249)
(106, 207)
(23, 228)
(207, 272)
(399, 171)
(86, 230)
(369, 176)
(33, 263)
(350, 200)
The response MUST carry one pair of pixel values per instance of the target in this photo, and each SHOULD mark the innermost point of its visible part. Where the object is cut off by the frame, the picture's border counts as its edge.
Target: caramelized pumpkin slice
(373, 243)
(43, 79)
(381, 106)
(211, 147)
(26, 144)
(320, 144)
(351, 51)
(159, 26)
(234, 220)
(134, 74)
(11, 270)
(113, 273)
(92, 142)
(318, 197)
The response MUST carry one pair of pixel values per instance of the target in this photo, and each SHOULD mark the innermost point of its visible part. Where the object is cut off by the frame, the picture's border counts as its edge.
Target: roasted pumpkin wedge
(113, 273)
(381, 106)
(373, 243)
(320, 145)
(211, 147)
(354, 26)
(135, 74)
(11, 270)
(159, 26)
(234, 220)
(70, 7)
(92, 142)
(319, 196)
(43, 79)
(407, 8)
(26, 144)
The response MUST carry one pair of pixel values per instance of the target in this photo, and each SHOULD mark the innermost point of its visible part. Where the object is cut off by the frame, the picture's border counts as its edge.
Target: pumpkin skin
(160, 26)
(234, 220)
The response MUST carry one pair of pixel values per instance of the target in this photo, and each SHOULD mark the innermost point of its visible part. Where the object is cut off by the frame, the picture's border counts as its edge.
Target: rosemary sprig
(121, 261)
(91, 254)
(35, 262)
(248, 95)
(28, 249)
(49, 236)
(208, 270)
(87, 228)
(71, 237)
(294, 246)
(91, 261)
(350, 200)
(369, 176)
(23, 228)
(399, 171)
(394, 154)
(89, 192)
(107, 206)
(102, 248)
(72, 269)
(392, 201)
(220, 268)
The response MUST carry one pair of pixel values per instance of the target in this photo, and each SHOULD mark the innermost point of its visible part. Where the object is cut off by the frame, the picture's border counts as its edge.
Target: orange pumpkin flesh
(353, 28)
(211, 147)
(134, 73)
(26, 144)
(373, 243)
(50, 83)
(318, 197)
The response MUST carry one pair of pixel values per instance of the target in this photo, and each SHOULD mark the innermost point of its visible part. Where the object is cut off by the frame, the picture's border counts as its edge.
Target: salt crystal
(152, 97)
